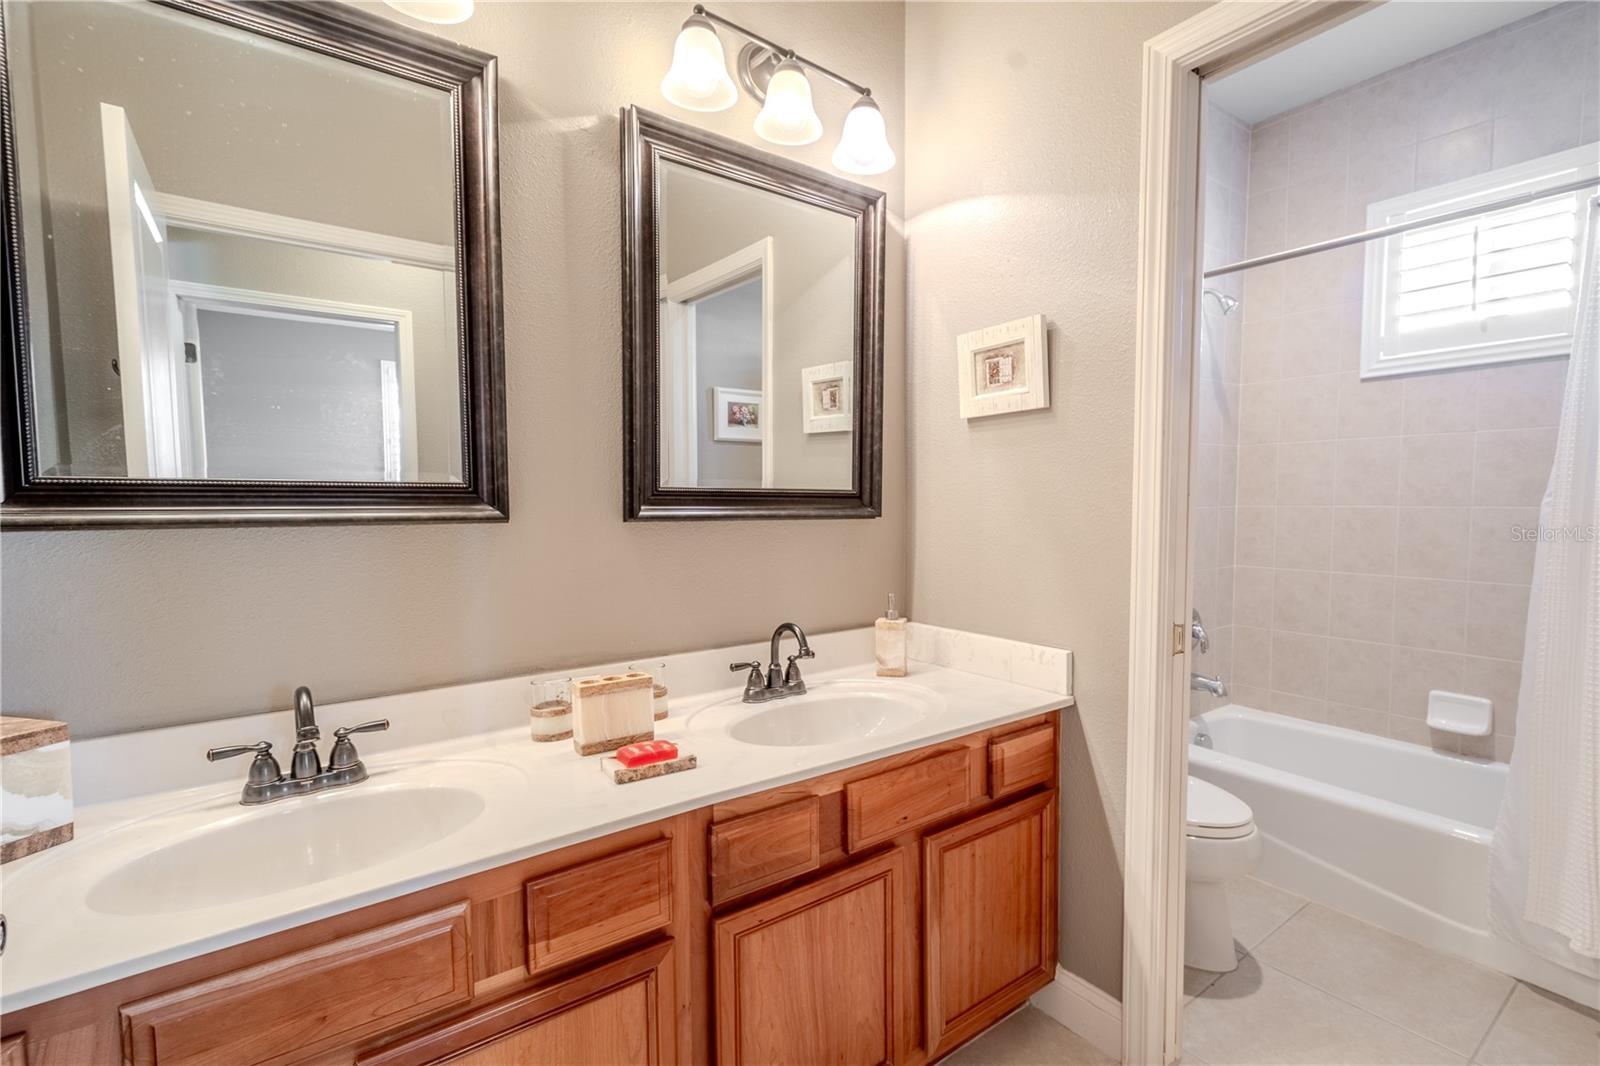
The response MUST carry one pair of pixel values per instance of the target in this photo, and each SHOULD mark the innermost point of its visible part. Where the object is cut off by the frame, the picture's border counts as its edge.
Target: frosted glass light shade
(439, 12)
(698, 78)
(788, 117)
(864, 142)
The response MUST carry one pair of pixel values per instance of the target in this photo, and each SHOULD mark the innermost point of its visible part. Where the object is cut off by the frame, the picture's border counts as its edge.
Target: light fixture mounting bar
(788, 53)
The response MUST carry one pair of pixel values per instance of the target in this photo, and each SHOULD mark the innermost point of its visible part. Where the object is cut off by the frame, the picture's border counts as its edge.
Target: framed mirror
(753, 331)
(252, 268)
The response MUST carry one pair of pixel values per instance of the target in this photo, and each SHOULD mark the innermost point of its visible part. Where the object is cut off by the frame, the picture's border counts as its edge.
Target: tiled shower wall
(1375, 555)
(1226, 165)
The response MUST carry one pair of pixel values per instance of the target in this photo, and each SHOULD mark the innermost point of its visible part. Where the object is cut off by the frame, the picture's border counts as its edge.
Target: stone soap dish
(640, 762)
(37, 797)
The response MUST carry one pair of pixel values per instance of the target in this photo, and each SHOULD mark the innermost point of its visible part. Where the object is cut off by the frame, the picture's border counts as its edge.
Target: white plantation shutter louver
(1495, 288)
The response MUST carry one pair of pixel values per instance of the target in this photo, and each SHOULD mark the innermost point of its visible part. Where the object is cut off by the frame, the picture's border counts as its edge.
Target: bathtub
(1395, 834)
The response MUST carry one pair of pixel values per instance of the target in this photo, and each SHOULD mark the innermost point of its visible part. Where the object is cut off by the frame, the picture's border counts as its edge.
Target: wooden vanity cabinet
(881, 914)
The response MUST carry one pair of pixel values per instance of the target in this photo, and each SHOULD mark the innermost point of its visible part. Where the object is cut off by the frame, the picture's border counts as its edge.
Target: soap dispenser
(890, 646)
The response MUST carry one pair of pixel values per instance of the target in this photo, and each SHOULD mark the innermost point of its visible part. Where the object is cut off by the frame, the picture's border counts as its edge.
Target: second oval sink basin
(262, 850)
(835, 712)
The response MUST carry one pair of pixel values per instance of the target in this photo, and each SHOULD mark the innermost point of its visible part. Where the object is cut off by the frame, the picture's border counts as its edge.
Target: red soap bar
(646, 752)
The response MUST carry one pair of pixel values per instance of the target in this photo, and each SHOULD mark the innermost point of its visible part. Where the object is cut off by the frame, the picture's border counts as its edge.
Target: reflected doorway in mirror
(825, 398)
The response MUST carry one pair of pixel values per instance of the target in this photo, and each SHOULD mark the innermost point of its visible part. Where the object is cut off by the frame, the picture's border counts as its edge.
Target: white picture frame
(1003, 369)
(736, 415)
(827, 397)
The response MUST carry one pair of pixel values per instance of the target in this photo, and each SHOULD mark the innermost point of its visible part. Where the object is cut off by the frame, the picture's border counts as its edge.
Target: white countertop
(536, 798)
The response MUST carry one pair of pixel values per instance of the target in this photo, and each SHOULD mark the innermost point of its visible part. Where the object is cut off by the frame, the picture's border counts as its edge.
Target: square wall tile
(1436, 470)
(1306, 471)
(1503, 543)
(1522, 395)
(1358, 676)
(1430, 614)
(1432, 542)
(1255, 535)
(1442, 402)
(1367, 472)
(1361, 607)
(1513, 466)
(1304, 538)
(1300, 602)
(1370, 408)
(1497, 620)
(1497, 680)
(1364, 539)
(1253, 596)
(1300, 664)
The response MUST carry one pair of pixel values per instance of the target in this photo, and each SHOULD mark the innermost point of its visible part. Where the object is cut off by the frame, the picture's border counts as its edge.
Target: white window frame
(1378, 339)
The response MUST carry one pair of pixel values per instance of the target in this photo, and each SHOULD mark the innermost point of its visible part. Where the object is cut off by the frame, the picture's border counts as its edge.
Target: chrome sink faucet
(779, 681)
(265, 781)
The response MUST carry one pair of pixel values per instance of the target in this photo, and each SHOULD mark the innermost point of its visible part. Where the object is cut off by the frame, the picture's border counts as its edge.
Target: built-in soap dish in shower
(1452, 712)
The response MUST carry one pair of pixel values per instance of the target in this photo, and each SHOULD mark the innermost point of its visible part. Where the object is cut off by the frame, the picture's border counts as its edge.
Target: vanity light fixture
(698, 81)
(787, 117)
(439, 12)
(698, 78)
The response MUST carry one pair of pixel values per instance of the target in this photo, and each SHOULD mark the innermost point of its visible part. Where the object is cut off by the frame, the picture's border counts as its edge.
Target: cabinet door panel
(815, 975)
(327, 996)
(989, 940)
(617, 1014)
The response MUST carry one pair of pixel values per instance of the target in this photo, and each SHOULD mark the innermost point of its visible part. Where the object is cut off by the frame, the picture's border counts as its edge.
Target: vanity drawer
(764, 848)
(883, 805)
(1021, 760)
(596, 905)
(328, 996)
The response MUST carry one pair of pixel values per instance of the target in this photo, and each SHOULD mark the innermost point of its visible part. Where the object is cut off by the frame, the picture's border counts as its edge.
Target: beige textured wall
(1022, 164)
(123, 630)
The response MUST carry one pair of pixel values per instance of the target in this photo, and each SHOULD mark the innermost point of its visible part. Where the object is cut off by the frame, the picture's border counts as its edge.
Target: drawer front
(596, 905)
(883, 805)
(324, 997)
(1021, 760)
(764, 848)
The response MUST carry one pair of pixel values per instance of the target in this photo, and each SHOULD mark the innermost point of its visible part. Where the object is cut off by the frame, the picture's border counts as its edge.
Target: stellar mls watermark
(1556, 534)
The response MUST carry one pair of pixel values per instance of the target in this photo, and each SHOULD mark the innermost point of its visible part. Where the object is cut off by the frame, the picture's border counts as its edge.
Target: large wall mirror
(754, 331)
(252, 260)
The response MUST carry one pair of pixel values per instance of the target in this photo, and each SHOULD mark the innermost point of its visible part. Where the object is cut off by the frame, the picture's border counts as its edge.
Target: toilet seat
(1216, 814)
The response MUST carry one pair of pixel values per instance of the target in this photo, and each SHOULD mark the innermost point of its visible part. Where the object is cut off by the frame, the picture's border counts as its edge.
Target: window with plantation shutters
(1492, 288)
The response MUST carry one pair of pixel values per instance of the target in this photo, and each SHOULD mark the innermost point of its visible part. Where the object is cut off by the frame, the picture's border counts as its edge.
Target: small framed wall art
(826, 398)
(736, 415)
(1003, 368)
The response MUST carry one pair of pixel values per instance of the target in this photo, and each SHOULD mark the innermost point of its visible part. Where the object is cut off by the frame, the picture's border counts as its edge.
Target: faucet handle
(753, 680)
(264, 768)
(375, 726)
(260, 747)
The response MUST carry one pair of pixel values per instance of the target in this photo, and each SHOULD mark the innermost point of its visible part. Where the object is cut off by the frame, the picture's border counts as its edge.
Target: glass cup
(550, 708)
(657, 670)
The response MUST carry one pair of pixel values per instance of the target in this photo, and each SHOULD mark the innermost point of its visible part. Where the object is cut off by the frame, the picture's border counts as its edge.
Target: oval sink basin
(833, 713)
(264, 850)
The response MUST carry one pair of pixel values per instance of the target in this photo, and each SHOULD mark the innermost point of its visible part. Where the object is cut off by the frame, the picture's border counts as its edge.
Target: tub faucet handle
(1197, 631)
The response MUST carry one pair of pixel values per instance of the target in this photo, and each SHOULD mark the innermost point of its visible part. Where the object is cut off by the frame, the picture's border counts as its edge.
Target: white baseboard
(1084, 1009)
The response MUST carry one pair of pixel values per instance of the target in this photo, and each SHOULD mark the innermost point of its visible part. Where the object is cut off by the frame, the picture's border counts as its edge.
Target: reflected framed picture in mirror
(254, 262)
(753, 331)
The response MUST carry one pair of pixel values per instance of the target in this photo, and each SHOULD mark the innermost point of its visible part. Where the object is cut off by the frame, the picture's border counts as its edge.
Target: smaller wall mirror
(753, 322)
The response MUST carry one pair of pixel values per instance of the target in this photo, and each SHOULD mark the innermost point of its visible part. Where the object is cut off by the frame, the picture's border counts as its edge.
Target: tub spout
(1214, 685)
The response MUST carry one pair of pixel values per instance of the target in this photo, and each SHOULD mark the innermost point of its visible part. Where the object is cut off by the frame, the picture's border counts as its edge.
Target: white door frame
(1223, 37)
(680, 422)
(200, 295)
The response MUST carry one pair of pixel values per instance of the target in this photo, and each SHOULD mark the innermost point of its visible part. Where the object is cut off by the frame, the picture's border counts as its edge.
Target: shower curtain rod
(1401, 227)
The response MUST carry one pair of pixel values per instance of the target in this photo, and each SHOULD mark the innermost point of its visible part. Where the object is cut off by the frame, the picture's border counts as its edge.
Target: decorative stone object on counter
(612, 710)
(35, 786)
(550, 712)
(890, 646)
(658, 674)
(650, 758)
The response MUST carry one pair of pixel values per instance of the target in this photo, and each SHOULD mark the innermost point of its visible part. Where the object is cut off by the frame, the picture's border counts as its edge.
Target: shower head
(1224, 301)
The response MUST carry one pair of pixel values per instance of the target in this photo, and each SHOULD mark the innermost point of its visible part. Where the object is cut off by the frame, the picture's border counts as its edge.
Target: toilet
(1223, 844)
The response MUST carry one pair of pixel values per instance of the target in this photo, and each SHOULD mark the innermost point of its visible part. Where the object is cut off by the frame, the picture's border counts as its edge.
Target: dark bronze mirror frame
(343, 32)
(647, 140)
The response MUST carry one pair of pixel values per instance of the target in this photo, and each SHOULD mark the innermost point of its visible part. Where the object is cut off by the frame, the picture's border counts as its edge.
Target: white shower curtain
(1544, 884)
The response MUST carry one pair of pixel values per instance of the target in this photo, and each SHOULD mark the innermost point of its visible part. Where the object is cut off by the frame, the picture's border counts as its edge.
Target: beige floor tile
(1029, 1038)
(1258, 908)
(1538, 1028)
(1258, 1015)
(1196, 981)
(1447, 1000)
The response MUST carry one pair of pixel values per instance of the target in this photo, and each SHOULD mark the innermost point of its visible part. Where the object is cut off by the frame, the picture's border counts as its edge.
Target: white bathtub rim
(1381, 808)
